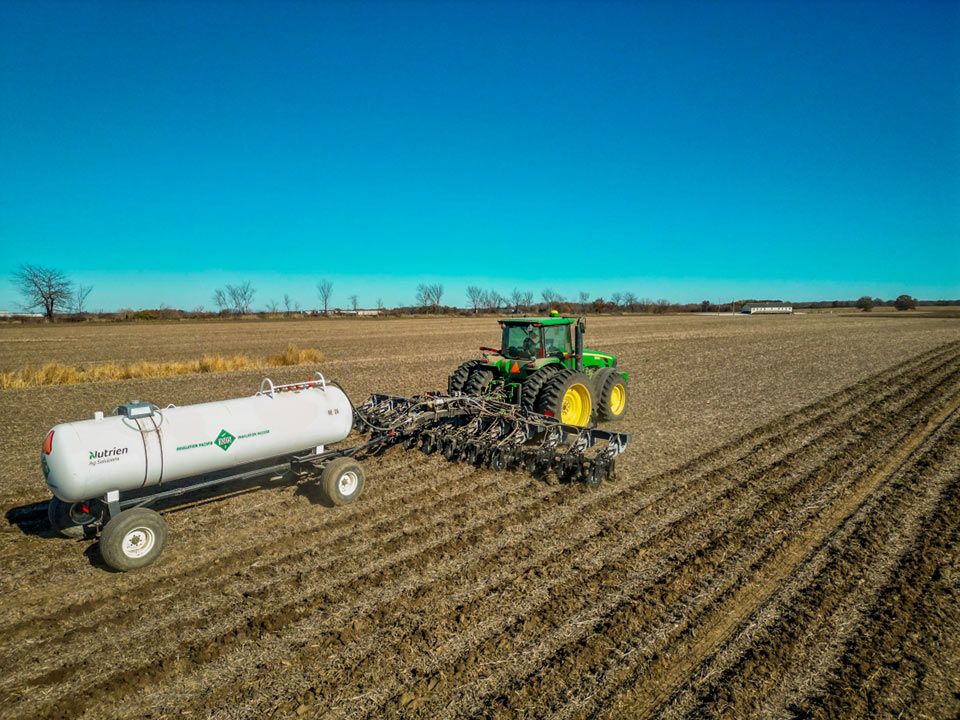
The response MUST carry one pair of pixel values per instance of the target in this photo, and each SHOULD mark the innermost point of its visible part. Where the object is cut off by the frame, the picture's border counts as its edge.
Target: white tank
(86, 459)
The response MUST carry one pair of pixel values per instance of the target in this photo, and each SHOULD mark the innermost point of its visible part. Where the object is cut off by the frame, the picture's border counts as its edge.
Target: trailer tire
(458, 378)
(62, 520)
(133, 539)
(342, 481)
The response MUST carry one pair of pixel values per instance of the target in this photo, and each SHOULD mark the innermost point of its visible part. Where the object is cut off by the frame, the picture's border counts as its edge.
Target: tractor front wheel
(567, 398)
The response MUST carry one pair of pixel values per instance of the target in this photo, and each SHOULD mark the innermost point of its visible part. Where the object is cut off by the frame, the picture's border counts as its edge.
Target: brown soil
(782, 542)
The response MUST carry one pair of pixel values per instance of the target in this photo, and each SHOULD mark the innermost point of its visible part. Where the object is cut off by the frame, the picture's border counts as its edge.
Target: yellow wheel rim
(618, 399)
(576, 406)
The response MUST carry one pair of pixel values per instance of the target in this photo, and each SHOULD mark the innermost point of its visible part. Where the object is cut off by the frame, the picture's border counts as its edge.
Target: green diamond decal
(224, 440)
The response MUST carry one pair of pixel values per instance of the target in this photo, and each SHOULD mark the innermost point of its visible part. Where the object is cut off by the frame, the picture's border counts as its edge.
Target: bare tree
(43, 288)
(492, 300)
(516, 297)
(353, 302)
(550, 297)
(287, 303)
(80, 297)
(273, 307)
(584, 299)
(630, 301)
(475, 296)
(617, 298)
(526, 299)
(325, 290)
(429, 295)
(661, 306)
(241, 297)
(219, 299)
(379, 305)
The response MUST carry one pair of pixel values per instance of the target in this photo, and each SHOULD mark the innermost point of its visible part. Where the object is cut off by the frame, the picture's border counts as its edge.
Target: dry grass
(55, 373)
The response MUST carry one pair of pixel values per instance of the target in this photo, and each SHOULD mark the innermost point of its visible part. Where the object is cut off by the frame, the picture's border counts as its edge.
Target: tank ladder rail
(488, 432)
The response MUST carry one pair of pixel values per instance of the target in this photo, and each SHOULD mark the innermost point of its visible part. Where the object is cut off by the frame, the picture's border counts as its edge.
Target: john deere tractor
(542, 366)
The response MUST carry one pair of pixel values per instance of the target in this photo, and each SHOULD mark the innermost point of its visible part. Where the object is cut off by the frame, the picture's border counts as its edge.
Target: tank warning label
(224, 440)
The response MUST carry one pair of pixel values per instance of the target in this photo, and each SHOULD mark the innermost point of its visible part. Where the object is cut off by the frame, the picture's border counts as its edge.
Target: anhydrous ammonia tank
(86, 459)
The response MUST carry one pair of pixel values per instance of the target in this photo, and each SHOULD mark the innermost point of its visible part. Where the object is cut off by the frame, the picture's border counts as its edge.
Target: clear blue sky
(688, 150)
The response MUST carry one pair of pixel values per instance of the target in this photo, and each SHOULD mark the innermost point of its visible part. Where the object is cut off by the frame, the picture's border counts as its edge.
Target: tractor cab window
(556, 339)
(521, 341)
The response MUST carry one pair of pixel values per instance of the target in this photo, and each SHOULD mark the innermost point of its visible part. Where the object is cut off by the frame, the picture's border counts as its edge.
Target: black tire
(479, 382)
(342, 481)
(605, 410)
(133, 539)
(534, 384)
(551, 397)
(458, 379)
(65, 522)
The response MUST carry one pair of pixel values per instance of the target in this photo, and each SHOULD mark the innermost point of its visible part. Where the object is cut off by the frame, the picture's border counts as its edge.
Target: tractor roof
(537, 320)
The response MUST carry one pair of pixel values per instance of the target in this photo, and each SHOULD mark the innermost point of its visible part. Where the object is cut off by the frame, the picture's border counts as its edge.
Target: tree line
(52, 291)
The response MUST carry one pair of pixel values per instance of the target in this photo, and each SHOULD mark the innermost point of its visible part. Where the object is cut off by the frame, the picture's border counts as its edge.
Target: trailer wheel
(68, 519)
(133, 539)
(342, 481)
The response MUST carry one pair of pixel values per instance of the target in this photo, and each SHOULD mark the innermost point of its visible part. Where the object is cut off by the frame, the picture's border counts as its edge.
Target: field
(782, 541)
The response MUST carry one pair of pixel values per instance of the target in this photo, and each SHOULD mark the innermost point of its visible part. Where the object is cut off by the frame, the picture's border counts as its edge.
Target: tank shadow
(31, 519)
(309, 488)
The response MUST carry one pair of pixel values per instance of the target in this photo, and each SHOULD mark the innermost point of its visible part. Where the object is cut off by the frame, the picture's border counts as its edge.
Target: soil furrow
(824, 601)
(640, 701)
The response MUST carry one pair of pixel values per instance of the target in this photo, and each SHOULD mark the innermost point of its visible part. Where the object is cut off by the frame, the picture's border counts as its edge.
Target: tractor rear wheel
(479, 382)
(458, 378)
(534, 384)
(567, 398)
(613, 397)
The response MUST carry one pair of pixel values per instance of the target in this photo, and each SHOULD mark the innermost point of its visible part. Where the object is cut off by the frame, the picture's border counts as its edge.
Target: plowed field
(782, 541)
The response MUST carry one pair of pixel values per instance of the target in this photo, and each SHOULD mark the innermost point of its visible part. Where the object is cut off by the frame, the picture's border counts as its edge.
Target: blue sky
(688, 150)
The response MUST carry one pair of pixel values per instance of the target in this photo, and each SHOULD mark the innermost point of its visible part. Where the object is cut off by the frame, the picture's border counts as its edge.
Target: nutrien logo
(98, 454)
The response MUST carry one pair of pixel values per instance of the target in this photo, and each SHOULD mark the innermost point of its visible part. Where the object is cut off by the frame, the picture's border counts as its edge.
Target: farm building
(767, 308)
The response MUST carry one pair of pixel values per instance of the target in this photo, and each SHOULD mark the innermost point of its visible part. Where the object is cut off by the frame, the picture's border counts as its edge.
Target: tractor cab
(532, 338)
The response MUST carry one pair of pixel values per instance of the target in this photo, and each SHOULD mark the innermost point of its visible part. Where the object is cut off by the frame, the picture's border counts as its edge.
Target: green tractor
(541, 365)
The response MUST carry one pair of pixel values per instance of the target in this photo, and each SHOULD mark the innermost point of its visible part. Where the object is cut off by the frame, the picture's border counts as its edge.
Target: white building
(767, 308)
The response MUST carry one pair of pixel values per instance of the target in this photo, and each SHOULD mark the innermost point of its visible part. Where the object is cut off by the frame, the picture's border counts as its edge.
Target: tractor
(541, 365)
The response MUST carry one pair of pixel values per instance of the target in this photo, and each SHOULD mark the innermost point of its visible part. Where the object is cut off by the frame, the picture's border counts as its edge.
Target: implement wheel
(342, 481)
(133, 539)
(567, 398)
(68, 519)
